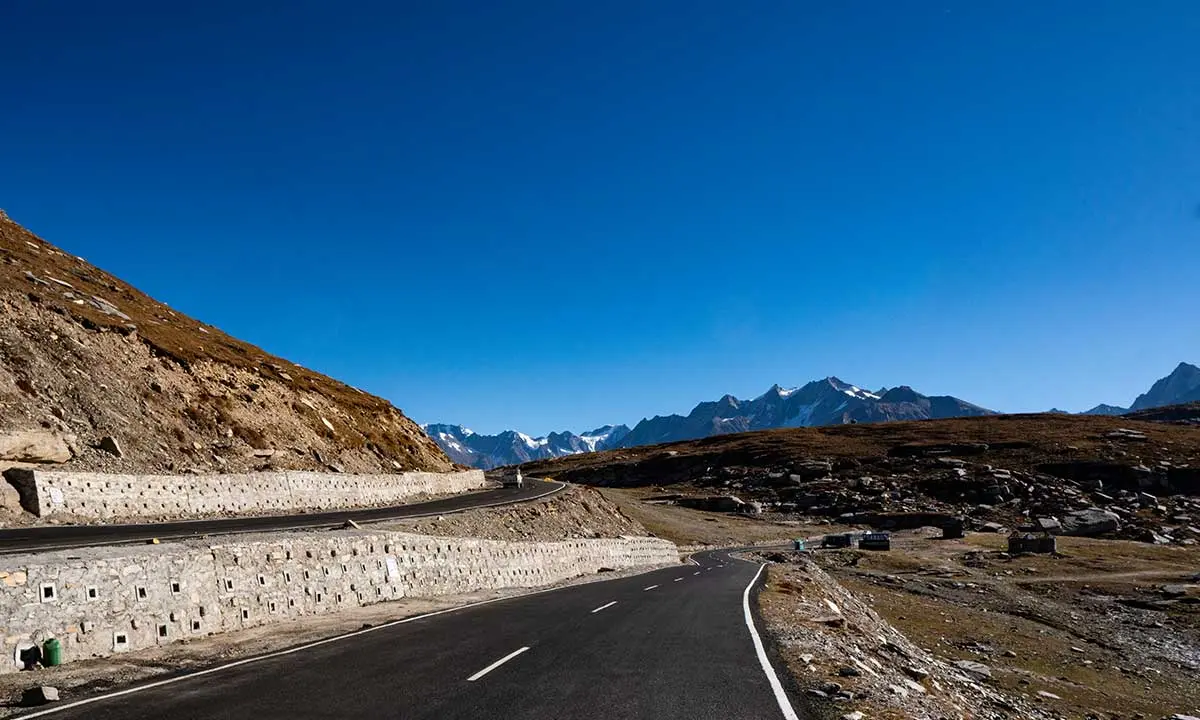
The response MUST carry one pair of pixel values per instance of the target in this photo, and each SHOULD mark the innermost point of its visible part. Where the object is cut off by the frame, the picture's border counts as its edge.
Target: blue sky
(554, 215)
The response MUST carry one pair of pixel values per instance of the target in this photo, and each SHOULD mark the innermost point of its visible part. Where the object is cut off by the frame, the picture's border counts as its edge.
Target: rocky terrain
(1072, 474)
(1101, 629)
(96, 375)
(854, 664)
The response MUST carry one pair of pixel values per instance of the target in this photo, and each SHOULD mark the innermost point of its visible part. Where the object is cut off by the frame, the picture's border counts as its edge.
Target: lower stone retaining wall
(119, 497)
(101, 601)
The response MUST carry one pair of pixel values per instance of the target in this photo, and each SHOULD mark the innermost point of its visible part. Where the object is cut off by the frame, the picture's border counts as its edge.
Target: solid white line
(289, 651)
(614, 602)
(496, 664)
(649, 588)
(781, 697)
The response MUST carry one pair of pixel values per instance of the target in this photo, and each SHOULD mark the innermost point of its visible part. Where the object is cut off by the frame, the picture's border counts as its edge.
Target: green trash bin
(51, 653)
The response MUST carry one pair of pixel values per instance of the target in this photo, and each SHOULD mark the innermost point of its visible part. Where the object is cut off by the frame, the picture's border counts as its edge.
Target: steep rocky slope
(97, 375)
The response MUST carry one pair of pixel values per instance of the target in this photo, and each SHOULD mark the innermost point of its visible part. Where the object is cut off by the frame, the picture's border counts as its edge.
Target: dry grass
(684, 526)
(1018, 442)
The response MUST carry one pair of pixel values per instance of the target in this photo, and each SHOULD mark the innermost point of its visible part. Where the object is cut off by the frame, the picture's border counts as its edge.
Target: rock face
(1091, 521)
(83, 353)
(1181, 386)
(34, 447)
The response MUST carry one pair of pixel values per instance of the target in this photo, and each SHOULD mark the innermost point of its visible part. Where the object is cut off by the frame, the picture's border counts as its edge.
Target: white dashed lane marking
(614, 602)
(496, 664)
(649, 588)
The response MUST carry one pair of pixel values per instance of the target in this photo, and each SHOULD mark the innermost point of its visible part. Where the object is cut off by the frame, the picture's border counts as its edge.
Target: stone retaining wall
(102, 496)
(101, 601)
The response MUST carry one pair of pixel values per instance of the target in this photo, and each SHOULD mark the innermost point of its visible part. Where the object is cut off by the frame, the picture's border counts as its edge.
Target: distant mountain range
(821, 402)
(1181, 386)
(510, 447)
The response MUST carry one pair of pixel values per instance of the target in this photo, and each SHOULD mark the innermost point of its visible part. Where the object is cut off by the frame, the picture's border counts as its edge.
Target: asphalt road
(56, 537)
(668, 644)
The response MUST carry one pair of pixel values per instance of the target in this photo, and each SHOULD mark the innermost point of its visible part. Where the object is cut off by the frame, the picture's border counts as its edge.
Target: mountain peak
(1181, 386)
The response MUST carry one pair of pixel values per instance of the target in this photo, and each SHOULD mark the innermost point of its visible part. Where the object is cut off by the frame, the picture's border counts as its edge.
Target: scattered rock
(847, 671)
(972, 667)
(1090, 521)
(110, 445)
(39, 695)
(916, 673)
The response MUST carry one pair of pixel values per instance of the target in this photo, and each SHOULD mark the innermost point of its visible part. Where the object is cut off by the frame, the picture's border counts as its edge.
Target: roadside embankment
(103, 601)
(98, 497)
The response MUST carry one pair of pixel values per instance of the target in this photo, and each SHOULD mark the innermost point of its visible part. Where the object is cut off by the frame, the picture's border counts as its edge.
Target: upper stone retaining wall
(100, 601)
(101, 496)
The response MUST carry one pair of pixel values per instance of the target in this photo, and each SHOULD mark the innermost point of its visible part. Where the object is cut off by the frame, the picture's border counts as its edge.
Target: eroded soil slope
(85, 356)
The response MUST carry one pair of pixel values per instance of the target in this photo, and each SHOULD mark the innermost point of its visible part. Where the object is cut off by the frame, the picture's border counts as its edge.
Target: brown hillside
(84, 355)
(1018, 442)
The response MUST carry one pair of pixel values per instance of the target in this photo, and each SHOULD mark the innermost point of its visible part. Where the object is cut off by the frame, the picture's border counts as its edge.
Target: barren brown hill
(1099, 475)
(1018, 442)
(85, 356)
(1186, 414)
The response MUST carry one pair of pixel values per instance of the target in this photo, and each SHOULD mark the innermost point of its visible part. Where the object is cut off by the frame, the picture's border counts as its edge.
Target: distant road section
(58, 537)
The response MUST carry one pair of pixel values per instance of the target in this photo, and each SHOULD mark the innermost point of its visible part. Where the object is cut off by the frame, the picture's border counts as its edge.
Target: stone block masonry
(104, 497)
(102, 601)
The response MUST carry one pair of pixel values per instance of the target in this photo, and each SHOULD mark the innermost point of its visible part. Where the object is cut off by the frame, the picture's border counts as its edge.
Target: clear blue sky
(554, 215)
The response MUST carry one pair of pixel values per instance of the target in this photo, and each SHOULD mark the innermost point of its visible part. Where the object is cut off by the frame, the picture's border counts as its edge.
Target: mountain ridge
(826, 401)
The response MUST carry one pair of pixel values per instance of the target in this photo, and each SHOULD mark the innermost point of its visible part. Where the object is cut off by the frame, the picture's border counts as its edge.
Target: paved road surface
(672, 644)
(50, 537)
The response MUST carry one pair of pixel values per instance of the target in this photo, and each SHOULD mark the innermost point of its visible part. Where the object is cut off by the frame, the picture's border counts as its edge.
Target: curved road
(673, 644)
(58, 537)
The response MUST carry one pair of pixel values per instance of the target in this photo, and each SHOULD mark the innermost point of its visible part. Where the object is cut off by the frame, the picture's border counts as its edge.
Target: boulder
(34, 446)
(1049, 524)
(1090, 521)
(978, 669)
(39, 695)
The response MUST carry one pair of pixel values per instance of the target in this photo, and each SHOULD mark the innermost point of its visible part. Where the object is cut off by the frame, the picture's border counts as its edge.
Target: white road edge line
(649, 588)
(602, 607)
(280, 653)
(781, 697)
(496, 664)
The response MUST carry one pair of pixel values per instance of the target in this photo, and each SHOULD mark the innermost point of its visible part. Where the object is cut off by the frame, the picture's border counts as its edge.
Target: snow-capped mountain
(821, 402)
(511, 447)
